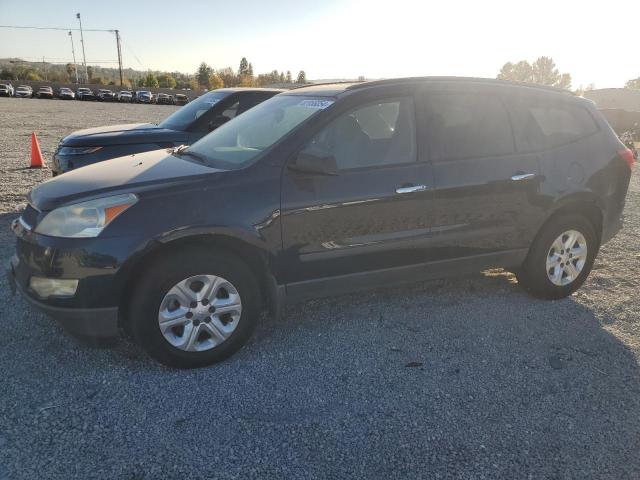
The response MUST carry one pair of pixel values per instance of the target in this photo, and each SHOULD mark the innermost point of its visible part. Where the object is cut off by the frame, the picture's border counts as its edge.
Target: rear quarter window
(541, 123)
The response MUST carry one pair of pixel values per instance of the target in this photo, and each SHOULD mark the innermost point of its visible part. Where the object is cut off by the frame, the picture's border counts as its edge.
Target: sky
(593, 41)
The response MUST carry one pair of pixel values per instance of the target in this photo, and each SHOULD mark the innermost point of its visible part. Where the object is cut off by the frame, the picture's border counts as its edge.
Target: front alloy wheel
(194, 307)
(199, 313)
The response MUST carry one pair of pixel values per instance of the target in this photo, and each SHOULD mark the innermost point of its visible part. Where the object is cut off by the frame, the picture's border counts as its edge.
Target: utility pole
(44, 67)
(84, 58)
(119, 55)
(73, 51)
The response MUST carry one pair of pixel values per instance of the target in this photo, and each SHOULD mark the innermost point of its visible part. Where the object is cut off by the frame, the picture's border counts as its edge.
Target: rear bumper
(84, 322)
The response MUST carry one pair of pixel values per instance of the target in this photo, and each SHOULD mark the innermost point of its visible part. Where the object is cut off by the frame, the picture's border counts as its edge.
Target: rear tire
(557, 264)
(176, 347)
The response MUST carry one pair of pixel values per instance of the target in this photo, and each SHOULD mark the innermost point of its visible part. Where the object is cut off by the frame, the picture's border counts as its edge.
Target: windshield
(184, 117)
(239, 142)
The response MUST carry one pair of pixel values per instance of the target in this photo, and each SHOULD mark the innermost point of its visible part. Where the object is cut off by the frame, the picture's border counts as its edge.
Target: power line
(63, 59)
(58, 28)
(131, 52)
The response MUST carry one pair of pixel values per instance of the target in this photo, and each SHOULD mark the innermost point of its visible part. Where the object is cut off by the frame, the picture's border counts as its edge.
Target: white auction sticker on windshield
(320, 104)
(212, 102)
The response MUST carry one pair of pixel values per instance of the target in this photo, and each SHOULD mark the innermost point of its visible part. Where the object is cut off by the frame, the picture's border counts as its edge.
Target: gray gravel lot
(464, 378)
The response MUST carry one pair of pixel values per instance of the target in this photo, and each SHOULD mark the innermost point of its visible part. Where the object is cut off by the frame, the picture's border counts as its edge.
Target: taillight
(627, 155)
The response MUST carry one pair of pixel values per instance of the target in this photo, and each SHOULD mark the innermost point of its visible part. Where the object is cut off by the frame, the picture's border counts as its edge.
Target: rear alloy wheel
(194, 308)
(566, 258)
(560, 258)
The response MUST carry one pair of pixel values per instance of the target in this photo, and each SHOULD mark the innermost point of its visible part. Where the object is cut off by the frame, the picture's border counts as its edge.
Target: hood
(120, 175)
(123, 135)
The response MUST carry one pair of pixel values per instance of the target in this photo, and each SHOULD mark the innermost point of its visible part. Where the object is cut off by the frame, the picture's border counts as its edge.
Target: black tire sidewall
(162, 276)
(533, 276)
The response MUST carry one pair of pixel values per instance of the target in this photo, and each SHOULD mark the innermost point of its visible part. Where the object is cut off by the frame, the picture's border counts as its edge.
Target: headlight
(77, 150)
(86, 219)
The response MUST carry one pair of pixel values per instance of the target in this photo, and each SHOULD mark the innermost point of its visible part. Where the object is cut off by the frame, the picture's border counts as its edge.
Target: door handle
(411, 189)
(523, 176)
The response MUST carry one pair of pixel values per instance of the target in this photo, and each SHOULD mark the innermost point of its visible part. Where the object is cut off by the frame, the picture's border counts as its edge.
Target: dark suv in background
(184, 126)
(323, 190)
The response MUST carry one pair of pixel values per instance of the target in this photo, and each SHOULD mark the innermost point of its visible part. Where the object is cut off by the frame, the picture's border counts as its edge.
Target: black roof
(333, 89)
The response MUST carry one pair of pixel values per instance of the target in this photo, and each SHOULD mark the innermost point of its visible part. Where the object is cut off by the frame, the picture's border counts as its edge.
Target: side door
(375, 213)
(485, 192)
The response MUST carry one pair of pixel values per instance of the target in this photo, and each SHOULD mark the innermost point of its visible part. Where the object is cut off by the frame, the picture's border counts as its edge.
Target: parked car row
(101, 95)
(316, 191)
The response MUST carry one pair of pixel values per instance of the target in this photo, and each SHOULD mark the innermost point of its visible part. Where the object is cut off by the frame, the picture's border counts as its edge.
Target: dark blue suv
(324, 190)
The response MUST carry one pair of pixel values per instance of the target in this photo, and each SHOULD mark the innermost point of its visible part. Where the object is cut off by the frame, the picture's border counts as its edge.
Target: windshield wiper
(179, 149)
(183, 150)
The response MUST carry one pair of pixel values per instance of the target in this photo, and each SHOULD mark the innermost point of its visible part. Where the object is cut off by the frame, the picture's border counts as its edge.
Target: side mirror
(307, 162)
(217, 122)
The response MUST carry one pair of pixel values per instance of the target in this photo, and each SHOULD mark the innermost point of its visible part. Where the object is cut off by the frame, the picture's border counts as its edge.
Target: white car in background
(24, 91)
(6, 90)
(125, 96)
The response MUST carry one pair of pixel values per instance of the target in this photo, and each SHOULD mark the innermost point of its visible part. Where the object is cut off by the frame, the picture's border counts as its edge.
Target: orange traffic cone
(36, 154)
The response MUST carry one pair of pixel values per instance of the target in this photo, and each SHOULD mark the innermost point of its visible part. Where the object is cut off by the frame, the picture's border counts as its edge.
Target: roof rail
(394, 81)
(339, 82)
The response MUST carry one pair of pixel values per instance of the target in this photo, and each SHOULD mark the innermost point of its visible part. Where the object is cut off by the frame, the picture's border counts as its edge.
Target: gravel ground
(464, 378)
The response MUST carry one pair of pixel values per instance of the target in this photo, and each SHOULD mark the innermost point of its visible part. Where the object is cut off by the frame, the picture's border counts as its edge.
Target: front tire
(193, 309)
(560, 257)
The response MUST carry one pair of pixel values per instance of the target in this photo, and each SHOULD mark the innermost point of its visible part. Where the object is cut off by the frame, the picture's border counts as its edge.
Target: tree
(165, 80)
(151, 81)
(250, 70)
(633, 84)
(302, 77)
(288, 78)
(543, 72)
(7, 74)
(71, 71)
(228, 77)
(244, 67)
(89, 73)
(203, 74)
(519, 72)
(215, 82)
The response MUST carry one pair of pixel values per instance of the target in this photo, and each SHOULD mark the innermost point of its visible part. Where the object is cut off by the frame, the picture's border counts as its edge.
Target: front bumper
(84, 322)
(97, 265)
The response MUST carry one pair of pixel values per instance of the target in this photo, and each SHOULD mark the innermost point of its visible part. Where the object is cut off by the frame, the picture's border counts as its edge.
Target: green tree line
(205, 77)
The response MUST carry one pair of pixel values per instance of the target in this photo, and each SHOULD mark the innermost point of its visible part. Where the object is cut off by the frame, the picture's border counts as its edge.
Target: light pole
(84, 58)
(73, 51)
(119, 54)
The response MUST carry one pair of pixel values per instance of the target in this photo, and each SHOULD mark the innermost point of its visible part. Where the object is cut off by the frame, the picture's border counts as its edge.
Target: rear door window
(540, 123)
(467, 125)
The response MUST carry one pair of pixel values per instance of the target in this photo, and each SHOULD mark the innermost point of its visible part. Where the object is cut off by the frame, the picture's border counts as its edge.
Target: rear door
(486, 195)
(376, 212)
